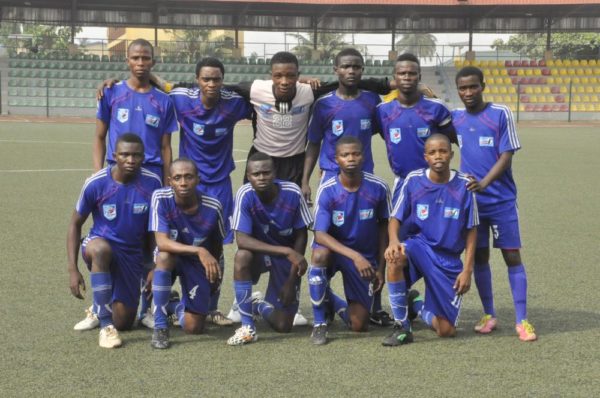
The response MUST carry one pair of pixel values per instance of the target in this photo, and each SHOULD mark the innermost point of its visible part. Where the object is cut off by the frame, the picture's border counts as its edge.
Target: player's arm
(76, 281)
(463, 281)
(99, 146)
(250, 243)
(449, 131)
(167, 156)
(383, 244)
(310, 161)
(502, 164)
(287, 295)
(395, 249)
(362, 265)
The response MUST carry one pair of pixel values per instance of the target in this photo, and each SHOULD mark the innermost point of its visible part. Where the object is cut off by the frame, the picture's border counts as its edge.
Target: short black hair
(258, 157)
(439, 137)
(348, 51)
(348, 139)
(469, 71)
(183, 160)
(211, 62)
(284, 57)
(408, 57)
(142, 43)
(130, 138)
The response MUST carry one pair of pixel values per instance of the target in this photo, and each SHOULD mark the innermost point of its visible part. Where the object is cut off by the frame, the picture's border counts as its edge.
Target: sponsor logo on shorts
(268, 261)
(220, 131)
(140, 208)
(173, 234)
(198, 241)
(365, 124)
(110, 211)
(122, 115)
(451, 212)
(337, 127)
(423, 132)
(395, 135)
(198, 129)
(486, 141)
(365, 214)
(422, 211)
(152, 120)
(286, 232)
(337, 218)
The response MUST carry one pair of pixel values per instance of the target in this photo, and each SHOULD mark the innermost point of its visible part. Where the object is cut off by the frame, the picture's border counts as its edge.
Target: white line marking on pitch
(42, 170)
(46, 142)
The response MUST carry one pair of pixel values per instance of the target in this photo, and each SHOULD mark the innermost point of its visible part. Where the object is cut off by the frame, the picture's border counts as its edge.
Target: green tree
(40, 39)
(197, 43)
(423, 45)
(563, 45)
(329, 44)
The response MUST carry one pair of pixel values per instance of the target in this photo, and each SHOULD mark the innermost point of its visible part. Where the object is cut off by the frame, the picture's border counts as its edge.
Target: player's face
(407, 75)
(470, 91)
(139, 60)
(183, 179)
(438, 154)
(349, 157)
(284, 78)
(260, 175)
(210, 81)
(129, 157)
(349, 71)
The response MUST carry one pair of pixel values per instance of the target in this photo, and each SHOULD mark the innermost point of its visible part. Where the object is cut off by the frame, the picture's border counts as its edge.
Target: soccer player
(189, 230)
(118, 197)
(350, 236)
(441, 215)
(488, 139)
(270, 222)
(408, 120)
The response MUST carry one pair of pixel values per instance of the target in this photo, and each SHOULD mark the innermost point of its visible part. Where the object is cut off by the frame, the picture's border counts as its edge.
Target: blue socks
(483, 281)
(340, 306)
(427, 317)
(243, 296)
(161, 290)
(398, 302)
(102, 292)
(263, 308)
(317, 287)
(518, 286)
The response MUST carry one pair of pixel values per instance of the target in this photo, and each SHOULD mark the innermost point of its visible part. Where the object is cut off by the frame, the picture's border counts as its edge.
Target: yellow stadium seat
(528, 72)
(589, 107)
(576, 98)
(586, 83)
(512, 107)
(562, 72)
(588, 71)
(534, 99)
(490, 81)
(597, 89)
(502, 90)
(537, 90)
(579, 72)
(550, 98)
(571, 72)
(558, 63)
(496, 72)
(554, 72)
(520, 72)
(579, 89)
(512, 90)
(575, 107)
(521, 108)
(550, 63)
(546, 89)
(550, 80)
(585, 80)
(593, 80)
(564, 89)
(528, 90)
(592, 62)
(494, 90)
(558, 80)
(507, 81)
(537, 72)
(597, 107)
(458, 63)
(585, 98)
(567, 63)
(503, 72)
(574, 62)
(576, 80)
(595, 99)
(583, 62)
(476, 63)
(506, 99)
(596, 71)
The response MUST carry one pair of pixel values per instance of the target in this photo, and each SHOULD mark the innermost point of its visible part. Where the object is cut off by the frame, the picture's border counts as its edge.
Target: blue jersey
(353, 218)
(207, 134)
(482, 138)
(440, 214)
(405, 130)
(272, 223)
(333, 117)
(149, 115)
(119, 211)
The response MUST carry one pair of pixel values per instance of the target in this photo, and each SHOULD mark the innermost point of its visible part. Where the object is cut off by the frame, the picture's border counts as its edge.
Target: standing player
(488, 139)
(189, 231)
(350, 234)
(118, 198)
(270, 221)
(408, 120)
(441, 215)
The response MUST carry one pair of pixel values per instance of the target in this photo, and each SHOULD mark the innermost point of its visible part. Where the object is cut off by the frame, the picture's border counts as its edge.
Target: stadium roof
(322, 15)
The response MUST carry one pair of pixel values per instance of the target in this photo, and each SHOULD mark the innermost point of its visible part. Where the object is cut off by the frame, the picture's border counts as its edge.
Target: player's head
(470, 86)
(210, 73)
(260, 172)
(349, 66)
(349, 154)
(183, 177)
(438, 152)
(140, 58)
(407, 73)
(129, 153)
(285, 74)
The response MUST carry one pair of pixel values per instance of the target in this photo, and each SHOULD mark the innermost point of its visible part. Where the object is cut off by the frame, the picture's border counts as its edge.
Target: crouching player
(189, 230)
(270, 221)
(350, 236)
(442, 221)
(118, 197)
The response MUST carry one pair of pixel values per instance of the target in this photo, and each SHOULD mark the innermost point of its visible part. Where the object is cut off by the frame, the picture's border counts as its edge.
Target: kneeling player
(118, 197)
(442, 221)
(189, 230)
(350, 236)
(270, 221)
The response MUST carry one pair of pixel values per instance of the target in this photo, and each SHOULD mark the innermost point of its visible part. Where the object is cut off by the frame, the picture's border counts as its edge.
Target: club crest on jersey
(423, 132)
(152, 120)
(286, 232)
(122, 115)
(140, 208)
(265, 108)
(110, 212)
(486, 141)
(451, 212)
(198, 129)
(395, 135)
(173, 234)
(365, 214)
(459, 137)
(198, 241)
(220, 131)
(422, 211)
(365, 124)
(337, 127)
(337, 218)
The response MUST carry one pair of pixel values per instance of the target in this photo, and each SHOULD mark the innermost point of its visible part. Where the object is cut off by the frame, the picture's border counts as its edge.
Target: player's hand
(298, 262)
(287, 294)
(147, 289)
(395, 254)
(475, 186)
(364, 267)
(210, 264)
(378, 281)
(463, 282)
(76, 284)
(314, 83)
(100, 90)
(426, 90)
(306, 192)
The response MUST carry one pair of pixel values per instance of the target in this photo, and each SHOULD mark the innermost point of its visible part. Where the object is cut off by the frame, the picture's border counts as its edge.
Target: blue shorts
(126, 270)
(279, 272)
(440, 271)
(356, 289)
(503, 220)
(195, 287)
(222, 191)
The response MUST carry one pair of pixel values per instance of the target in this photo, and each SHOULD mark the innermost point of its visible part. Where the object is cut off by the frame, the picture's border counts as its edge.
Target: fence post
(518, 100)
(570, 99)
(47, 99)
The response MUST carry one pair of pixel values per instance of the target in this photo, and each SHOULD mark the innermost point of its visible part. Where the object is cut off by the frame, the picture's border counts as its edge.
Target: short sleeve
(87, 199)
(322, 212)
(402, 208)
(158, 219)
(303, 218)
(509, 140)
(443, 116)
(170, 118)
(384, 207)
(242, 218)
(472, 211)
(315, 125)
(103, 111)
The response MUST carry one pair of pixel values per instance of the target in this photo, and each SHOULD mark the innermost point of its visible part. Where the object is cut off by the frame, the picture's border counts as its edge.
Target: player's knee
(445, 328)
(282, 325)
(100, 253)
(320, 256)
(123, 317)
(395, 271)
(242, 264)
(193, 323)
(512, 257)
(482, 255)
(165, 261)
